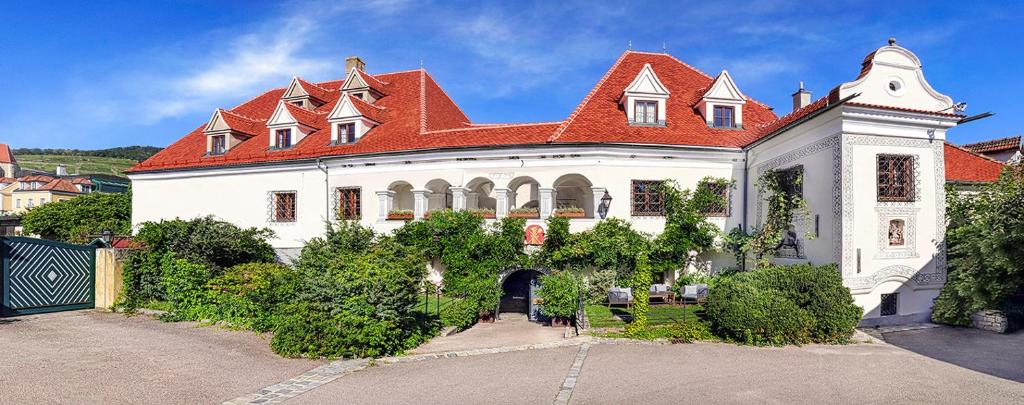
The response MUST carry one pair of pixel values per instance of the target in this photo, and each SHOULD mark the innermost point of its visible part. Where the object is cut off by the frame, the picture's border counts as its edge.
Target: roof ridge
(973, 152)
(258, 96)
(423, 101)
(457, 107)
(477, 128)
(365, 74)
(242, 116)
(586, 99)
(506, 124)
(993, 141)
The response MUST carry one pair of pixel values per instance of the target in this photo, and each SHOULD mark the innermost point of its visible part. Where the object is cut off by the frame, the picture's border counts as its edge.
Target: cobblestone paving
(306, 381)
(565, 393)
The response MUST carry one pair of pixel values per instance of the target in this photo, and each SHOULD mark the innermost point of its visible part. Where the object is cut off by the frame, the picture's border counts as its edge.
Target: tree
(80, 219)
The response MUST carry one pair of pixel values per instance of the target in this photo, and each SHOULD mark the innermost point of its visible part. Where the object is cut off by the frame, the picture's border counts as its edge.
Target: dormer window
(347, 132)
(724, 117)
(299, 103)
(218, 145)
(645, 99)
(283, 138)
(645, 112)
(722, 104)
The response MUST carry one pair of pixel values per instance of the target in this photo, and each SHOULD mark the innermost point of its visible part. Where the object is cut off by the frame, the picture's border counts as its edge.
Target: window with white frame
(724, 117)
(283, 138)
(218, 144)
(347, 132)
(645, 112)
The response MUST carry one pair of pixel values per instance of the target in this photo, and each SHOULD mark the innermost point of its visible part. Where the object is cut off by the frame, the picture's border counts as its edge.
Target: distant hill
(135, 153)
(75, 164)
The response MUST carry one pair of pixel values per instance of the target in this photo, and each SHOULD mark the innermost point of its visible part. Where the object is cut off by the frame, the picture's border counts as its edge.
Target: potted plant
(398, 215)
(559, 293)
(570, 212)
(528, 213)
(485, 213)
(486, 316)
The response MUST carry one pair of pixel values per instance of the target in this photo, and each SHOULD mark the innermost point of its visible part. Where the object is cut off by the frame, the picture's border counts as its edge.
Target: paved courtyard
(94, 357)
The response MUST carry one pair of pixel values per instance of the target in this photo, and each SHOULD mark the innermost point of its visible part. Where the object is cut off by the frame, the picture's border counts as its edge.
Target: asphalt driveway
(104, 358)
(986, 352)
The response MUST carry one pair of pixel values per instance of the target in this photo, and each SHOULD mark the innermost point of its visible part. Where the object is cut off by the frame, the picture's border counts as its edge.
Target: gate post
(109, 277)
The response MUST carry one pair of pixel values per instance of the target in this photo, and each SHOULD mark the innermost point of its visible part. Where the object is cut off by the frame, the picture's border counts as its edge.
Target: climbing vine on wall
(784, 207)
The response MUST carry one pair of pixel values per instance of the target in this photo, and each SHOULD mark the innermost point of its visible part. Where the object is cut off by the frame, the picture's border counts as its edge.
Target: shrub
(598, 282)
(251, 295)
(560, 292)
(80, 219)
(308, 331)
(207, 241)
(783, 305)
(184, 284)
(460, 313)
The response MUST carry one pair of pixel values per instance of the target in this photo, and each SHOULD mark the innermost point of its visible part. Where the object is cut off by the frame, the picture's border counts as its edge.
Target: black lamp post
(107, 236)
(437, 288)
(606, 201)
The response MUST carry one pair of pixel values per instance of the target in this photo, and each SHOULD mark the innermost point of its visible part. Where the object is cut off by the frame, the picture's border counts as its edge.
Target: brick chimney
(801, 98)
(354, 62)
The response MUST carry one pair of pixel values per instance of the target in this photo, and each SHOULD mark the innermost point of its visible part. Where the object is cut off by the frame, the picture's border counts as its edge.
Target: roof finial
(892, 41)
(664, 48)
(629, 45)
(801, 85)
(421, 63)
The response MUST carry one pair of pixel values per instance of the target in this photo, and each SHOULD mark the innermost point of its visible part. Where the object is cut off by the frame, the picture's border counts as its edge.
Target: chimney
(62, 170)
(801, 98)
(354, 62)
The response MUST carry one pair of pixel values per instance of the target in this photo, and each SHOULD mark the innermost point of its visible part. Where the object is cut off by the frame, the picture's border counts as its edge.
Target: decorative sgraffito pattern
(47, 275)
(832, 143)
(848, 264)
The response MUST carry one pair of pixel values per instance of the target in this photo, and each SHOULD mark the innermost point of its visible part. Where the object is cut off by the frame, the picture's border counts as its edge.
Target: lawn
(431, 304)
(602, 317)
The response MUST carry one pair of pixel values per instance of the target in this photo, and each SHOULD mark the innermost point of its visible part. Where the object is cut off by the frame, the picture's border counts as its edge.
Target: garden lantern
(606, 201)
(107, 236)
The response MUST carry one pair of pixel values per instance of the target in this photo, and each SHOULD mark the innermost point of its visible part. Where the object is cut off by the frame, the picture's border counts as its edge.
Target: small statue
(895, 233)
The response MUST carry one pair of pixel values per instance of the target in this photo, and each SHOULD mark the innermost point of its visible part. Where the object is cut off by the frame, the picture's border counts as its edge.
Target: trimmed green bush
(251, 295)
(560, 292)
(783, 305)
(184, 284)
(460, 313)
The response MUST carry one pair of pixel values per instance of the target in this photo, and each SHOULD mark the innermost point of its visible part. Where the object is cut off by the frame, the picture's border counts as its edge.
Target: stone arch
(440, 197)
(483, 196)
(403, 198)
(574, 190)
(525, 192)
(517, 294)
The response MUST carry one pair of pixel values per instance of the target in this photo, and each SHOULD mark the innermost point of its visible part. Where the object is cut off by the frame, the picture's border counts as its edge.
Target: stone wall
(109, 267)
(991, 320)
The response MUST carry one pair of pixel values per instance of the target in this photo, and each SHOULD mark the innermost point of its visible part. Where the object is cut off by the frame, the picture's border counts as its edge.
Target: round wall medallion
(895, 86)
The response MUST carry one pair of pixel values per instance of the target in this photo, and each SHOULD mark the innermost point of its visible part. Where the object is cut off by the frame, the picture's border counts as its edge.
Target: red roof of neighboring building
(6, 156)
(7, 180)
(995, 145)
(962, 165)
(36, 178)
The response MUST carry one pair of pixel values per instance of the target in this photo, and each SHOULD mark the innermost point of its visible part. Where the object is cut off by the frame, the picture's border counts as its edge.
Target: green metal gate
(46, 276)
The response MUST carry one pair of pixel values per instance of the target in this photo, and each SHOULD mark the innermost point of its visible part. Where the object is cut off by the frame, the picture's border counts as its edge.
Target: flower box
(528, 214)
(400, 215)
(570, 214)
(484, 213)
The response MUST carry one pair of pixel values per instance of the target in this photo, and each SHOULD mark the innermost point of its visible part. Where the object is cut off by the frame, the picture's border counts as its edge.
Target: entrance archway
(519, 289)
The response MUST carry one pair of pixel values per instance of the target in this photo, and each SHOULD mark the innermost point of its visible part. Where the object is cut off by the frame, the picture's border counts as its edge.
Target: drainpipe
(746, 177)
(327, 189)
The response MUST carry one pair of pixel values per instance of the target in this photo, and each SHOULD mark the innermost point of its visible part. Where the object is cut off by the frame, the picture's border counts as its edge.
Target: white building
(871, 153)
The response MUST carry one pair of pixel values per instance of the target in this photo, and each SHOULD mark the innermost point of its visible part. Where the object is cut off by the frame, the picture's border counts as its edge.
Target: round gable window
(895, 86)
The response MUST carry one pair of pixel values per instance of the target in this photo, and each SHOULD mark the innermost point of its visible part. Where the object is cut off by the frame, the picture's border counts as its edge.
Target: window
(347, 133)
(31, 203)
(283, 138)
(349, 203)
(17, 203)
(890, 304)
(645, 112)
(896, 178)
(298, 103)
(716, 202)
(791, 181)
(284, 206)
(42, 201)
(646, 198)
(218, 145)
(723, 117)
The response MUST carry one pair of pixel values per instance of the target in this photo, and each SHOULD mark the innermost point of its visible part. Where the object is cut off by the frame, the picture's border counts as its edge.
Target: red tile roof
(7, 180)
(995, 145)
(314, 90)
(36, 178)
(599, 118)
(6, 156)
(59, 185)
(963, 165)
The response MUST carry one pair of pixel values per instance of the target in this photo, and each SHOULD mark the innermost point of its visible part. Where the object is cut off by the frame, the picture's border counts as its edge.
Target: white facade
(889, 109)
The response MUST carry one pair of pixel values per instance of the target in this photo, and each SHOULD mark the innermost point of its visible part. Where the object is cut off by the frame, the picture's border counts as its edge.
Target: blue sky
(103, 74)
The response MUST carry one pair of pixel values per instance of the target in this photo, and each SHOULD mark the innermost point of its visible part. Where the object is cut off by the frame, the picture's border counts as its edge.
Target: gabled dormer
(645, 99)
(226, 130)
(305, 94)
(722, 104)
(288, 125)
(352, 118)
(362, 86)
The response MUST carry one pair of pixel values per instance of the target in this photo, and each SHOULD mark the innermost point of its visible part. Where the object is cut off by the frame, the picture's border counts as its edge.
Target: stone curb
(306, 381)
(565, 393)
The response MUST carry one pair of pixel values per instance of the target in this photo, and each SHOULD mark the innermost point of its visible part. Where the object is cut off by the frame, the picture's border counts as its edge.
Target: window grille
(284, 206)
(895, 178)
(647, 199)
(349, 203)
(890, 304)
(719, 206)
